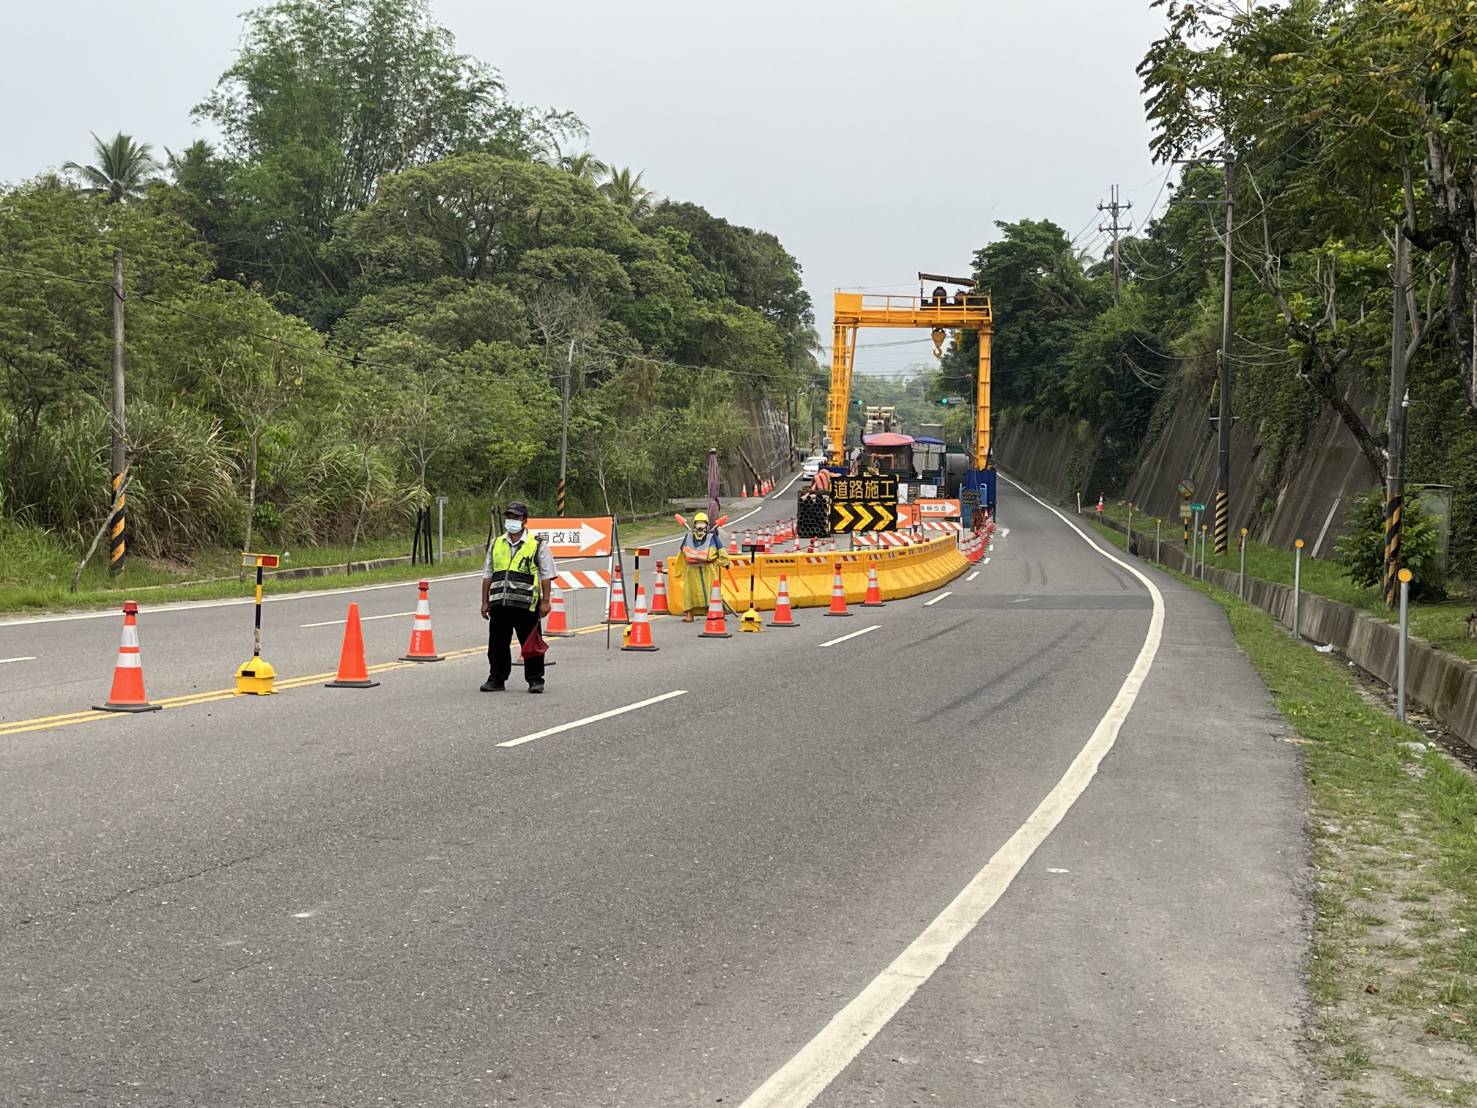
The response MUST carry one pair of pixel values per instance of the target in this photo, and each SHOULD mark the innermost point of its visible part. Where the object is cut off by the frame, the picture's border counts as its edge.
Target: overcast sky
(874, 137)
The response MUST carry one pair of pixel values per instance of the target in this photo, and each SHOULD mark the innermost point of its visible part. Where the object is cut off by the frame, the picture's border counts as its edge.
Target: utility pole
(1115, 208)
(564, 426)
(118, 519)
(1399, 407)
(1223, 471)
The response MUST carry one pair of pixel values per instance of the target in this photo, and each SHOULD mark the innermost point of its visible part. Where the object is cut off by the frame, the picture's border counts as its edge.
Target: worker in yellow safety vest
(516, 582)
(703, 557)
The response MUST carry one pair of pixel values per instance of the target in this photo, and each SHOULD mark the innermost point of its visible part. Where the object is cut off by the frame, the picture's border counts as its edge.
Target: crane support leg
(982, 406)
(843, 354)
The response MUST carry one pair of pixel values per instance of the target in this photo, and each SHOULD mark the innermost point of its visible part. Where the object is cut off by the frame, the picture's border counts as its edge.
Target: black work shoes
(535, 686)
(492, 685)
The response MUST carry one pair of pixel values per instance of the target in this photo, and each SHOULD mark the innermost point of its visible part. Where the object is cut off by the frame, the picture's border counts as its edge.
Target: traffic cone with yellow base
(638, 634)
(127, 694)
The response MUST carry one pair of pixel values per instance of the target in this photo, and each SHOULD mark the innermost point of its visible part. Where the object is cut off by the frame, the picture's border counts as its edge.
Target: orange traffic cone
(874, 590)
(127, 694)
(352, 672)
(557, 626)
(783, 616)
(422, 642)
(638, 636)
(715, 627)
(838, 595)
(659, 594)
(744, 491)
(1099, 503)
(616, 612)
(733, 544)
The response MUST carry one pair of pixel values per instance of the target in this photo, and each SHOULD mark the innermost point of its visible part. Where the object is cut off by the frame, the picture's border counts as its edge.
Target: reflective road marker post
(1404, 576)
(255, 677)
(1297, 584)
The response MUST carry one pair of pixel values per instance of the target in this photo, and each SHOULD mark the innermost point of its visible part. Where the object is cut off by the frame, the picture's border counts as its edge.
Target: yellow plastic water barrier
(901, 571)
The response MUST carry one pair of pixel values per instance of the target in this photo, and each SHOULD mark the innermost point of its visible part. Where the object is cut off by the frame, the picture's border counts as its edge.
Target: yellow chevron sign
(859, 515)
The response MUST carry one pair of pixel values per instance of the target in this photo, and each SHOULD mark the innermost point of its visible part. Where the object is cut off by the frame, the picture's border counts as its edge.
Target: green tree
(627, 193)
(124, 169)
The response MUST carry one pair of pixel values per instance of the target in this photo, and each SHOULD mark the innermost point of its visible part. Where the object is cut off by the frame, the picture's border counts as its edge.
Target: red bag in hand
(535, 646)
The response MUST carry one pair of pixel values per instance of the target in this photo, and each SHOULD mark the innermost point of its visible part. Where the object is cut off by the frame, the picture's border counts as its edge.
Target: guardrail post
(1241, 575)
(1157, 522)
(1404, 638)
(1129, 546)
(1297, 586)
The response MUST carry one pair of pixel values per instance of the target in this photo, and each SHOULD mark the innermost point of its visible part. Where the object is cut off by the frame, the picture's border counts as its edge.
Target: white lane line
(987, 560)
(22, 658)
(546, 732)
(730, 523)
(806, 1075)
(854, 634)
(935, 600)
(362, 619)
(972, 576)
(785, 488)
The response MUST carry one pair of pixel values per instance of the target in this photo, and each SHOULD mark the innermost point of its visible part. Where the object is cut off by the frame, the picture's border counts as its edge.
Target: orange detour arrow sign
(575, 538)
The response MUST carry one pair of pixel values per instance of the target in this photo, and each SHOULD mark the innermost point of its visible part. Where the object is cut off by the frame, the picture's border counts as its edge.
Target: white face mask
(512, 526)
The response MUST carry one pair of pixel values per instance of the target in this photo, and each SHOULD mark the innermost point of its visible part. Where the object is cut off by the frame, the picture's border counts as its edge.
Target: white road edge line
(972, 576)
(935, 600)
(854, 634)
(805, 1076)
(362, 619)
(21, 658)
(546, 732)
(987, 560)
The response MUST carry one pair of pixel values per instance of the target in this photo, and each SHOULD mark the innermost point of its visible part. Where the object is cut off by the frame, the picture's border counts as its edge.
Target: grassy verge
(1394, 826)
(1442, 625)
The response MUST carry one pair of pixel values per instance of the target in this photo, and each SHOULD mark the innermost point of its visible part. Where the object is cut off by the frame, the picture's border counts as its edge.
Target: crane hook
(938, 335)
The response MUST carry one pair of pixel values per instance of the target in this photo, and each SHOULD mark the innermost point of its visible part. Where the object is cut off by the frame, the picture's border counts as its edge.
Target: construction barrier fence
(901, 571)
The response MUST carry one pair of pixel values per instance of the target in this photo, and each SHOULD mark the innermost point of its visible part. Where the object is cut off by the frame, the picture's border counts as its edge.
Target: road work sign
(938, 509)
(863, 504)
(575, 538)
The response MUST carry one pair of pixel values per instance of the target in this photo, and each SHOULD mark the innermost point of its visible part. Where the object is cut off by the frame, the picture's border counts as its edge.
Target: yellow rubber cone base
(750, 621)
(255, 678)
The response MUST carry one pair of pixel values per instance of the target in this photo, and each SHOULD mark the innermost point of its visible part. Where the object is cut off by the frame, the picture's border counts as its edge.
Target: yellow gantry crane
(940, 311)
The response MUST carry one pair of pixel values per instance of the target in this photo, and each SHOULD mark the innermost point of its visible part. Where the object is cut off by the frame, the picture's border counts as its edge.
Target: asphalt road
(361, 897)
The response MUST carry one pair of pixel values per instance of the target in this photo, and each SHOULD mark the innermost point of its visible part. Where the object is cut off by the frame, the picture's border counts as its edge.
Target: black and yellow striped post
(118, 527)
(1222, 521)
(1394, 532)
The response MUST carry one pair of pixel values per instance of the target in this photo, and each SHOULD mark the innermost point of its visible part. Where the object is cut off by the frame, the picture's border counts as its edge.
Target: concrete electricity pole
(564, 425)
(1223, 421)
(1399, 407)
(118, 519)
(1115, 208)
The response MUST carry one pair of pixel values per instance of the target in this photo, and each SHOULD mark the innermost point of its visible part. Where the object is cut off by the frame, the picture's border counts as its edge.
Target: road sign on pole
(863, 504)
(574, 537)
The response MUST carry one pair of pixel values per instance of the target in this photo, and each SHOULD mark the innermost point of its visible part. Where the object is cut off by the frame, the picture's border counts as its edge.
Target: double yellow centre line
(71, 719)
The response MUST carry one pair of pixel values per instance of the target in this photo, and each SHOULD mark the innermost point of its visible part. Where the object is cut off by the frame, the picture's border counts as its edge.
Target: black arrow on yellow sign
(862, 515)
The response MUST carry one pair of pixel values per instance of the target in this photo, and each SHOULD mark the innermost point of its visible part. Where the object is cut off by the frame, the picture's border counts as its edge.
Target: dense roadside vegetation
(368, 292)
(1343, 117)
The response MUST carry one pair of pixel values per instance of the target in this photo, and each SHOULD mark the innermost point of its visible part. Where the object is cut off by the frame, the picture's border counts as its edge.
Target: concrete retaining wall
(1441, 683)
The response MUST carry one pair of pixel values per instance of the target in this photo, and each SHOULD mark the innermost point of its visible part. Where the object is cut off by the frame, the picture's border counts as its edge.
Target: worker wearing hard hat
(703, 557)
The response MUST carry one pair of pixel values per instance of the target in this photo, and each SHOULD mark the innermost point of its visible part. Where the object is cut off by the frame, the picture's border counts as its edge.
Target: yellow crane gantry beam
(965, 311)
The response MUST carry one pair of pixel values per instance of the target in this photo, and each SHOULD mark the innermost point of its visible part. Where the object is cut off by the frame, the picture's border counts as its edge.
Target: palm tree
(192, 158)
(585, 166)
(627, 193)
(124, 168)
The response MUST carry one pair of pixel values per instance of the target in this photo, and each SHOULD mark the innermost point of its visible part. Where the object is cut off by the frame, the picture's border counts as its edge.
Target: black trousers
(502, 623)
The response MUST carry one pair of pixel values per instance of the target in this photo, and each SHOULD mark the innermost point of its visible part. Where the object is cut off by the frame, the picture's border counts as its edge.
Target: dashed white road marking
(362, 619)
(987, 560)
(21, 658)
(854, 634)
(570, 726)
(935, 600)
(805, 1076)
(972, 576)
